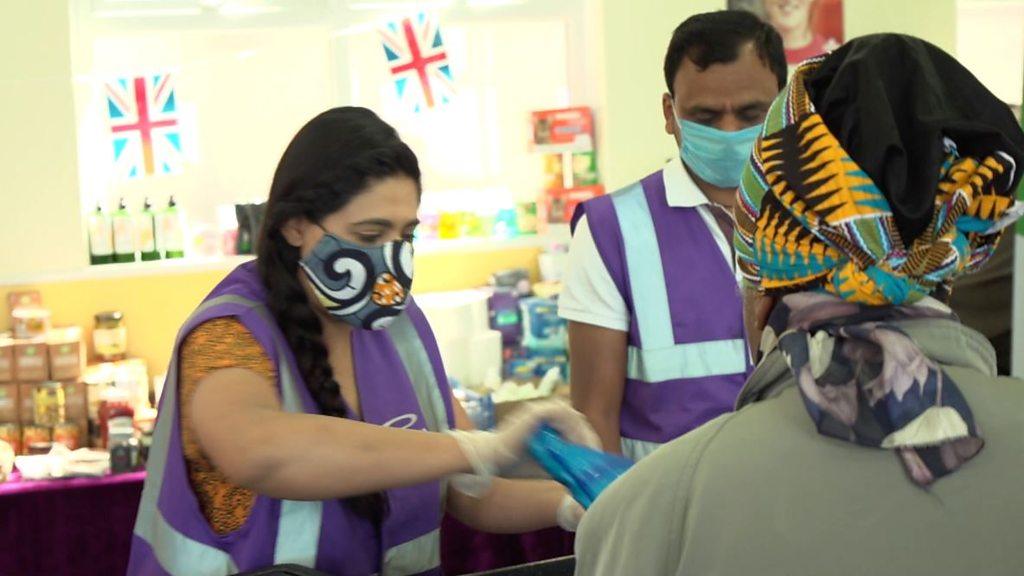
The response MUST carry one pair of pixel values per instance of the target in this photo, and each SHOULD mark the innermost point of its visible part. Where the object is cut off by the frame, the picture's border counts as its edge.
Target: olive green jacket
(760, 492)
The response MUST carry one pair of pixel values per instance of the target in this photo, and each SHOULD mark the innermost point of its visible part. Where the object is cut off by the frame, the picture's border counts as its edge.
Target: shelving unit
(555, 235)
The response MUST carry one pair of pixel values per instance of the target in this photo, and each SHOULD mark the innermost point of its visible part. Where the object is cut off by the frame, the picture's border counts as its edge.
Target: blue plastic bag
(584, 471)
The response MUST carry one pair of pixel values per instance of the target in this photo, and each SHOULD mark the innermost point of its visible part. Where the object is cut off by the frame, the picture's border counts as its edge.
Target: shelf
(557, 235)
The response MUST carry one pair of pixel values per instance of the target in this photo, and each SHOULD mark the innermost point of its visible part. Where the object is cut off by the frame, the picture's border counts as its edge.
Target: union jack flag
(418, 61)
(144, 126)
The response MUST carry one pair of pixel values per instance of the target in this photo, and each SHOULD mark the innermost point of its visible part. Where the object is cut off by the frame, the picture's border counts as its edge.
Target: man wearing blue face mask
(651, 294)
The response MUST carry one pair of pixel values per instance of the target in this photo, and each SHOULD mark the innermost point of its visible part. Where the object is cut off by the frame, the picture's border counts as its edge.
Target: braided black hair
(331, 160)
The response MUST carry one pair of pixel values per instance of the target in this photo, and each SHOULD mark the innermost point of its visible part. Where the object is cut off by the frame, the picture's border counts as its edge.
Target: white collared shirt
(589, 295)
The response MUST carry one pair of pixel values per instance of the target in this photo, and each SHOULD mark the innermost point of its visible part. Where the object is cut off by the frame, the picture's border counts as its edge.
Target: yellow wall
(155, 306)
(40, 223)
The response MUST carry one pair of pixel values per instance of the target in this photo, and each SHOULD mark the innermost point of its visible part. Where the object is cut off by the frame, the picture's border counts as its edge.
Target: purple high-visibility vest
(687, 355)
(401, 383)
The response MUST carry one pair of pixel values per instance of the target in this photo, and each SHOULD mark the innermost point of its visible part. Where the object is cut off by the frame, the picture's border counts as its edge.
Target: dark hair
(331, 160)
(716, 38)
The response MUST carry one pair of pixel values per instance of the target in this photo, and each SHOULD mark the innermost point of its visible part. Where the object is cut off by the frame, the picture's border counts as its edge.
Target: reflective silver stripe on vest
(415, 556)
(659, 358)
(636, 450)
(421, 372)
(697, 360)
(177, 554)
(643, 264)
(301, 521)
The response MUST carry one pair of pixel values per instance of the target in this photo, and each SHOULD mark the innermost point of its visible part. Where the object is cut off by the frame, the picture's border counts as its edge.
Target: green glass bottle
(145, 227)
(124, 234)
(169, 231)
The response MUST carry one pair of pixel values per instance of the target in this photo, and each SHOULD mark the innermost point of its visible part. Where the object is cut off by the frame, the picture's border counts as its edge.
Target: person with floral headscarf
(874, 436)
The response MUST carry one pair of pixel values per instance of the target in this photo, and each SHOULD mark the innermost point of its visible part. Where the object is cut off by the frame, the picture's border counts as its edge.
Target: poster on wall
(808, 27)
(418, 61)
(145, 134)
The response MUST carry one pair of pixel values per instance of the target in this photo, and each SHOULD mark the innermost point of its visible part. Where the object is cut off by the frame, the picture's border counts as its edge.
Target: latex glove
(570, 514)
(490, 452)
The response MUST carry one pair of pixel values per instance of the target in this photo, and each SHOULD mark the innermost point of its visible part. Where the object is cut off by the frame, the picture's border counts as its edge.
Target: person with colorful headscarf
(874, 436)
(651, 290)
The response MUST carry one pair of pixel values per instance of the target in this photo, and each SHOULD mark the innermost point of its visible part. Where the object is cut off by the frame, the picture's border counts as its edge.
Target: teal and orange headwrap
(884, 171)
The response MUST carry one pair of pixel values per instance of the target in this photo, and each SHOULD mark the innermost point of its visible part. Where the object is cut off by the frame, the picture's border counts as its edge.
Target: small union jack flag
(144, 126)
(418, 61)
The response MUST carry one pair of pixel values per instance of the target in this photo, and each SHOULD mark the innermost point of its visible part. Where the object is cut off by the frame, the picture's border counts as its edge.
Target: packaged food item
(76, 399)
(39, 448)
(30, 361)
(6, 358)
(110, 336)
(7, 457)
(26, 403)
(115, 408)
(30, 323)
(124, 446)
(9, 405)
(69, 434)
(526, 217)
(49, 405)
(64, 348)
(24, 299)
(34, 435)
(10, 432)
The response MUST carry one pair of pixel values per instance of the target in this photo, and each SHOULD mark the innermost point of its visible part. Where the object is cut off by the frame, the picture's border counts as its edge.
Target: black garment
(890, 99)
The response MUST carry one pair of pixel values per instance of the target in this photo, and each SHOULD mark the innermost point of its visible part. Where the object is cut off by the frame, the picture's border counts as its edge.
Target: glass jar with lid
(110, 336)
(49, 404)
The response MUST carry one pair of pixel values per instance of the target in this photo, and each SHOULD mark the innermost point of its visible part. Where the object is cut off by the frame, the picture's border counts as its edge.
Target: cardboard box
(66, 355)
(30, 361)
(6, 359)
(23, 299)
(26, 403)
(9, 406)
(76, 402)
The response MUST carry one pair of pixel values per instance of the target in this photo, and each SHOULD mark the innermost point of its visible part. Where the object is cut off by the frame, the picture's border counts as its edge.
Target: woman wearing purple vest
(308, 419)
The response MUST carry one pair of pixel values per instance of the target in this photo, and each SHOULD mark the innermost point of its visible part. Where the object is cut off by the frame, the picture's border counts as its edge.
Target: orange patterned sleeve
(215, 345)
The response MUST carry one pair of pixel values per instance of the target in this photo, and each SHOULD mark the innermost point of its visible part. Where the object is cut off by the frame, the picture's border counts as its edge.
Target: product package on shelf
(29, 319)
(64, 349)
(561, 204)
(9, 403)
(31, 363)
(114, 389)
(10, 432)
(503, 310)
(543, 329)
(6, 358)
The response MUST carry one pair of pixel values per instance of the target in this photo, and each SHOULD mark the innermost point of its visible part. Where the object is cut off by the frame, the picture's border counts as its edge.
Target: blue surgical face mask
(716, 156)
(367, 287)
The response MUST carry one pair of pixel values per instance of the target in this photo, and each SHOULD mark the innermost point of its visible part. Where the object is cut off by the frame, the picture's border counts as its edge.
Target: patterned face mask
(365, 287)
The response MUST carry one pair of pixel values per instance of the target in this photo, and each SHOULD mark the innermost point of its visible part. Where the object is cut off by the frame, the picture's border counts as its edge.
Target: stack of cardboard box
(25, 364)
